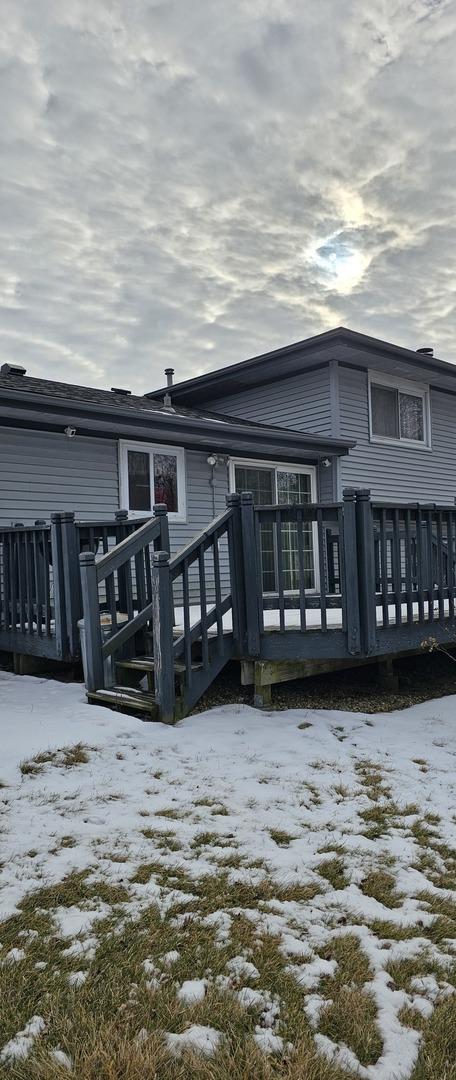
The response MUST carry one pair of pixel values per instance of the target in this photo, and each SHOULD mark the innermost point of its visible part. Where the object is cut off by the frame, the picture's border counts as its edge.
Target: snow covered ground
(359, 810)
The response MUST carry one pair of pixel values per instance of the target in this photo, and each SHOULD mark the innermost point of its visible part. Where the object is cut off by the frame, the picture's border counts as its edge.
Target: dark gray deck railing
(120, 583)
(201, 645)
(40, 591)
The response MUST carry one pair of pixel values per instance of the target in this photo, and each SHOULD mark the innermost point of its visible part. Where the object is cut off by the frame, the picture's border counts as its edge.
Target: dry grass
(67, 757)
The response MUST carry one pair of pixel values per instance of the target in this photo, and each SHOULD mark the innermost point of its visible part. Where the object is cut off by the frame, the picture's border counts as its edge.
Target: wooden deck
(292, 583)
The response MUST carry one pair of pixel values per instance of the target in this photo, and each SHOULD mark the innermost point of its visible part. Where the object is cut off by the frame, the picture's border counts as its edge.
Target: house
(398, 407)
(227, 517)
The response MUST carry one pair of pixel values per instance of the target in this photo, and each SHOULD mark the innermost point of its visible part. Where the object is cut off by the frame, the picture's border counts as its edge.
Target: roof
(339, 343)
(44, 403)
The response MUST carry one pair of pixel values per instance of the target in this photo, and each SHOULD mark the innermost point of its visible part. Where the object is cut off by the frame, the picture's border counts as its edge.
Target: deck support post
(252, 591)
(236, 560)
(92, 628)
(366, 571)
(262, 692)
(352, 606)
(160, 510)
(386, 675)
(163, 618)
(71, 579)
(58, 580)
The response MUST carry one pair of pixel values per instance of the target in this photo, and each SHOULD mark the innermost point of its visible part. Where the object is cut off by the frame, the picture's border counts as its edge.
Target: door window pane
(259, 481)
(293, 487)
(411, 414)
(165, 481)
(138, 480)
(385, 413)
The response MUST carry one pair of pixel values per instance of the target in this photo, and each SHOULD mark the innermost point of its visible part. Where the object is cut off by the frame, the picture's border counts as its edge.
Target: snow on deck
(264, 769)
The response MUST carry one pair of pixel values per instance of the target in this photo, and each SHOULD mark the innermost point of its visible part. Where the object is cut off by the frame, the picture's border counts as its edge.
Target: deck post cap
(246, 497)
(86, 558)
(160, 558)
(160, 508)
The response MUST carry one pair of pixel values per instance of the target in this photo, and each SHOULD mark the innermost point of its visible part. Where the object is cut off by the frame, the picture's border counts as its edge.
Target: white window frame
(419, 390)
(285, 466)
(178, 452)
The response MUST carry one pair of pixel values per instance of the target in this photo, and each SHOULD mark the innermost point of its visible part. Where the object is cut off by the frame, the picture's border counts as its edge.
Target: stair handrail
(94, 572)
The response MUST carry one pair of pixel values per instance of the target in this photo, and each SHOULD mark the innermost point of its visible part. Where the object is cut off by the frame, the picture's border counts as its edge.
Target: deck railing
(121, 584)
(40, 591)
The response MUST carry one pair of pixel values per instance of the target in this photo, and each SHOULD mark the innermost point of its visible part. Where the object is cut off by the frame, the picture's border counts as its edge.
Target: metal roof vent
(426, 351)
(120, 390)
(12, 369)
(169, 372)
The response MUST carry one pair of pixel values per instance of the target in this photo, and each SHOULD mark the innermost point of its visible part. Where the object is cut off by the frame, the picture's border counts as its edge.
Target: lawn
(245, 895)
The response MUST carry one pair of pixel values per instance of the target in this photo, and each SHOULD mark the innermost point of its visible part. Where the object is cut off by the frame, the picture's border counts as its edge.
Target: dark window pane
(385, 418)
(259, 481)
(293, 487)
(138, 480)
(411, 413)
(165, 481)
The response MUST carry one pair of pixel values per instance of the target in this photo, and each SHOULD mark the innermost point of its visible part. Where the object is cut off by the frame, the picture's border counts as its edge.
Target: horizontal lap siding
(41, 473)
(398, 472)
(301, 402)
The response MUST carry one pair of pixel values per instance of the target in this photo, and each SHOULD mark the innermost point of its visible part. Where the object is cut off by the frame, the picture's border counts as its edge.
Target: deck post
(351, 573)
(251, 575)
(71, 579)
(236, 561)
(162, 541)
(58, 582)
(92, 628)
(366, 570)
(162, 625)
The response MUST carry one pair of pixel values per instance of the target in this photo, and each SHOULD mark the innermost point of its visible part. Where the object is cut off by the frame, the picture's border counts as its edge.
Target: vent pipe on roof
(12, 369)
(120, 390)
(169, 372)
(426, 351)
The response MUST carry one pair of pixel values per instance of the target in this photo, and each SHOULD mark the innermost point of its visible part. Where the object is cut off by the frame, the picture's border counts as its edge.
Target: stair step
(126, 699)
(146, 663)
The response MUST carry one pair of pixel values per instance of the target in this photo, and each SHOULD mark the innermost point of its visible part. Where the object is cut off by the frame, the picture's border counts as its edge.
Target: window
(152, 474)
(280, 484)
(398, 411)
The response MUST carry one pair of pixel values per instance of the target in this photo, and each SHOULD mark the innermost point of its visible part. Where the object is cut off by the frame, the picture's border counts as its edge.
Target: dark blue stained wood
(301, 574)
(203, 608)
(396, 567)
(161, 542)
(366, 570)
(218, 591)
(451, 562)
(430, 564)
(162, 600)
(236, 565)
(440, 565)
(187, 634)
(58, 580)
(72, 581)
(280, 588)
(321, 564)
(420, 564)
(29, 581)
(341, 564)
(409, 566)
(249, 547)
(351, 587)
(384, 566)
(92, 628)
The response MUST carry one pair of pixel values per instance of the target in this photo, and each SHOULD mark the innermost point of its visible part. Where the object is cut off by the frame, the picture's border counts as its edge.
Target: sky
(187, 183)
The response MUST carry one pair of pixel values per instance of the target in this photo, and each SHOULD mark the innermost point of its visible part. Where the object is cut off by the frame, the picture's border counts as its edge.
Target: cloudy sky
(188, 183)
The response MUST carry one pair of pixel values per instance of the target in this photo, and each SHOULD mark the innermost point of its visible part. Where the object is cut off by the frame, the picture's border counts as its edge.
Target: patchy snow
(62, 1059)
(20, 1046)
(203, 1040)
(192, 991)
(297, 772)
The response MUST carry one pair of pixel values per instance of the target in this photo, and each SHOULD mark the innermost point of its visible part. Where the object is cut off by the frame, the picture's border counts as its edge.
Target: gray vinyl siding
(42, 472)
(398, 472)
(301, 402)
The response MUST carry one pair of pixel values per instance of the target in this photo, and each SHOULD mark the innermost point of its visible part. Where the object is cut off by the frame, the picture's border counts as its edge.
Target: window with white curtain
(399, 411)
